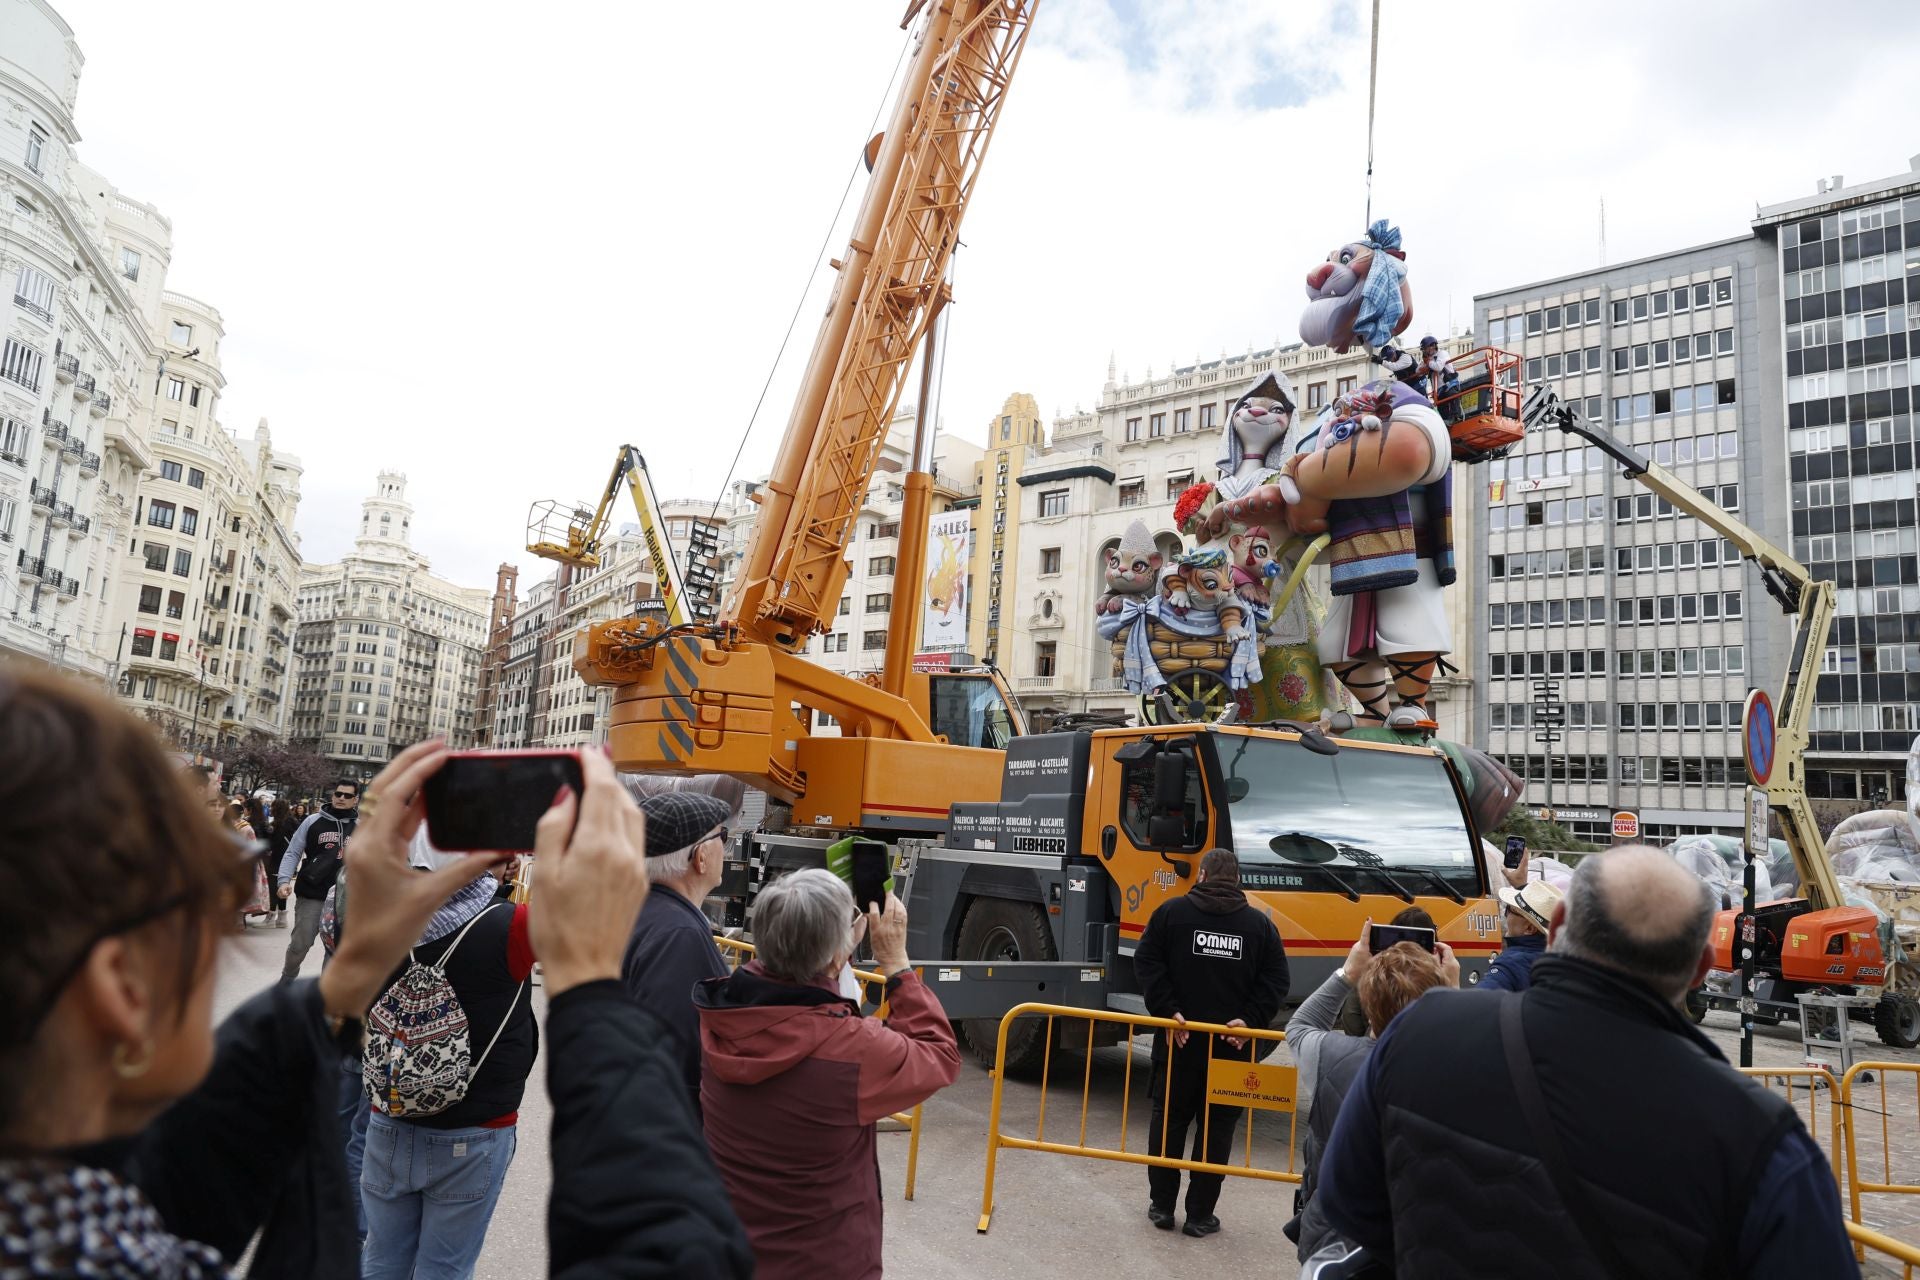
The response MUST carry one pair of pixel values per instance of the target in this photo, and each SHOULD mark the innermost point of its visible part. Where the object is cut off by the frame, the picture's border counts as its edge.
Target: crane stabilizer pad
(1043, 795)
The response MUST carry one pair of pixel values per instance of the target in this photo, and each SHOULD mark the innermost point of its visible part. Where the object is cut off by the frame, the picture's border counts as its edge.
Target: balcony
(66, 368)
(100, 406)
(89, 464)
(83, 387)
(17, 459)
(66, 584)
(31, 566)
(33, 308)
(80, 527)
(52, 434)
(74, 447)
(61, 514)
(274, 665)
(216, 606)
(41, 496)
(1031, 683)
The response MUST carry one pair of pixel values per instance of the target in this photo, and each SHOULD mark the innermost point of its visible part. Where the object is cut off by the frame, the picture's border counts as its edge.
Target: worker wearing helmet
(1441, 378)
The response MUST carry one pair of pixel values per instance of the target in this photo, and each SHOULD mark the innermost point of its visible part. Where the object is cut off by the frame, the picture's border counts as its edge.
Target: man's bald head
(1637, 911)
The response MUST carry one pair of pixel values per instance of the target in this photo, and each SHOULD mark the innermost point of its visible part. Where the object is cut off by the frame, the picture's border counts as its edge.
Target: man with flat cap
(672, 945)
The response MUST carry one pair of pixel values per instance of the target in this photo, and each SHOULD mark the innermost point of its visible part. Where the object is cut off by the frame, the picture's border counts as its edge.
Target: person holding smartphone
(1529, 906)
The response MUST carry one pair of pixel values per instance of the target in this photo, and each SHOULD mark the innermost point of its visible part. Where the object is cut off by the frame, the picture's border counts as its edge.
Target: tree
(1541, 837)
(253, 762)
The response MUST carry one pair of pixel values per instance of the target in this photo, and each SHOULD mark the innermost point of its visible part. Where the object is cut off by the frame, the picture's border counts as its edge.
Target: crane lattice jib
(959, 104)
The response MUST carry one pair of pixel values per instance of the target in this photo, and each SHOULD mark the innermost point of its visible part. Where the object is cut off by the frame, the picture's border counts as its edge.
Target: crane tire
(997, 929)
(1897, 1019)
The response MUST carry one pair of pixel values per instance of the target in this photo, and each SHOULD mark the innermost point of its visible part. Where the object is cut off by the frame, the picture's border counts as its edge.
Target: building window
(873, 640)
(1206, 416)
(36, 148)
(130, 263)
(1316, 395)
(169, 646)
(176, 604)
(180, 335)
(1182, 421)
(846, 605)
(160, 515)
(169, 471)
(193, 396)
(1133, 428)
(150, 600)
(880, 566)
(1178, 482)
(1053, 502)
(182, 562)
(189, 520)
(176, 388)
(1044, 659)
(156, 556)
(143, 648)
(1344, 386)
(1133, 493)
(888, 529)
(21, 363)
(1049, 560)
(880, 602)
(1157, 425)
(33, 292)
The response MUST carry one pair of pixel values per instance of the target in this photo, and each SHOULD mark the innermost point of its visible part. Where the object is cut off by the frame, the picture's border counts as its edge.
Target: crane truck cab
(1043, 893)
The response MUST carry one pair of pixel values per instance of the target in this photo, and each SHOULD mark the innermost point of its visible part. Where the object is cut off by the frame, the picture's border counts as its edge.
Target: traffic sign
(1626, 826)
(1757, 737)
(1759, 817)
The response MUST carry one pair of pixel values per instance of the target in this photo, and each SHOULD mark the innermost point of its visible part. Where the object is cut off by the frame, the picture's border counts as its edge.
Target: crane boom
(737, 695)
(579, 543)
(890, 287)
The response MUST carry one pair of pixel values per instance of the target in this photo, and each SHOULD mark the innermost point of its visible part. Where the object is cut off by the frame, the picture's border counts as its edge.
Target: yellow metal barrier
(1899, 1250)
(873, 986)
(1230, 1082)
(1810, 1081)
(1858, 1098)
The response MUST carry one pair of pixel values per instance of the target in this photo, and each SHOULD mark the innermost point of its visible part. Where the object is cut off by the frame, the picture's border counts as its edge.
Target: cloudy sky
(485, 244)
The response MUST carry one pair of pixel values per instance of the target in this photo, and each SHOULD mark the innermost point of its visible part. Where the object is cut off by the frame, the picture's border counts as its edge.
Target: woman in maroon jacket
(794, 1078)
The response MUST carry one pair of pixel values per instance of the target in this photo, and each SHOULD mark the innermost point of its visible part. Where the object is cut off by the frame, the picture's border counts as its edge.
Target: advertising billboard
(943, 619)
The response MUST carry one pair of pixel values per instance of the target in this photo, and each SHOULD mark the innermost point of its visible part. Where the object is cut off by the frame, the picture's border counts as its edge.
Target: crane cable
(1373, 80)
(826, 240)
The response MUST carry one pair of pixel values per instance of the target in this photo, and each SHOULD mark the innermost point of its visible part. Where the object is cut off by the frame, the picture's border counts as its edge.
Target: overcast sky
(487, 243)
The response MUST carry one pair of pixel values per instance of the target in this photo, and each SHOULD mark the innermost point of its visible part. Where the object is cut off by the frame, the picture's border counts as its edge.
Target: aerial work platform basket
(1481, 404)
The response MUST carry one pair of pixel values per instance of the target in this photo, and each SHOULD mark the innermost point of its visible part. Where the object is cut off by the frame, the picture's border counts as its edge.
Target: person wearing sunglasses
(310, 867)
(672, 947)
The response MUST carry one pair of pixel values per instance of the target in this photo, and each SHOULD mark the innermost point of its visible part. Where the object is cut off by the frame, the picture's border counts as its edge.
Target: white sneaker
(1409, 716)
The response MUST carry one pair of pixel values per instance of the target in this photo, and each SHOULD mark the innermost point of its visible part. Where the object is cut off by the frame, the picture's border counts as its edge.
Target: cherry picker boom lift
(1816, 942)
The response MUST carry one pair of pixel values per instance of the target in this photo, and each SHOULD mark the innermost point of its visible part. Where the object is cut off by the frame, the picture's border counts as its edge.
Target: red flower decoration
(1190, 502)
(1293, 687)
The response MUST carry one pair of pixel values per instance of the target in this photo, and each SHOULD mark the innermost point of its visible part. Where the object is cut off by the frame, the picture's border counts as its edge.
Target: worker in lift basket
(1207, 956)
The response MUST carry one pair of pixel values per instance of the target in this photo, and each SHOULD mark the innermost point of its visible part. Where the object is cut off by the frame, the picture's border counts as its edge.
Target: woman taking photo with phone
(135, 1142)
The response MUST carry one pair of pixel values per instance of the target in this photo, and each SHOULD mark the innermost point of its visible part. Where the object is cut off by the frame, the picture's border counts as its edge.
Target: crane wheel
(996, 929)
(1897, 1019)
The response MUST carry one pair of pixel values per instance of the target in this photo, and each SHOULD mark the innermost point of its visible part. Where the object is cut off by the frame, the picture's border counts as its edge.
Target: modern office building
(1840, 303)
(1598, 597)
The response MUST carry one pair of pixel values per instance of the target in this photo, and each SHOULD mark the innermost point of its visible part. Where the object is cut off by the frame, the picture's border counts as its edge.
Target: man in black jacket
(672, 945)
(1633, 1147)
(310, 866)
(1208, 956)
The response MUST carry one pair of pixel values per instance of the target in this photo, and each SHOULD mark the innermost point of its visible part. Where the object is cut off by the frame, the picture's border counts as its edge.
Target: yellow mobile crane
(570, 533)
(1816, 942)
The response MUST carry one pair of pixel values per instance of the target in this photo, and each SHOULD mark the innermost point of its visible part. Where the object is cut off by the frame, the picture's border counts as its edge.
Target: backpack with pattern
(418, 1059)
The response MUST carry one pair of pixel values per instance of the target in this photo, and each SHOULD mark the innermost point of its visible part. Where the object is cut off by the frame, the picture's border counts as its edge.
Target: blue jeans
(429, 1195)
(354, 1109)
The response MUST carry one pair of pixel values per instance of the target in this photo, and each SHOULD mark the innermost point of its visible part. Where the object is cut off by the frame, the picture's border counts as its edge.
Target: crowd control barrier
(1253, 1086)
(1873, 1101)
(873, 987)
(1809, 1082)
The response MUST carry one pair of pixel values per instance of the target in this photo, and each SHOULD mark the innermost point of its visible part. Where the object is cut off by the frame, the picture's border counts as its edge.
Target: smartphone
(493, 800)
(872, 867)
(1516, 850)
(1382, 936)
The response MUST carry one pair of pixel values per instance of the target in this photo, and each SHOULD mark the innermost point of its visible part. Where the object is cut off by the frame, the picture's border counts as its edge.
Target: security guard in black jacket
(1207, 956)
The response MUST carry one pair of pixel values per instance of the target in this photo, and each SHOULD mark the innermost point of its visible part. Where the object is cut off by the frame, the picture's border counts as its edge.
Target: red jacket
(793, 1079)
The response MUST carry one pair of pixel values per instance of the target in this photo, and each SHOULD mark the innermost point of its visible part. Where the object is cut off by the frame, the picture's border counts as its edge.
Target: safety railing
(1809, 1083)
(873, 987)
(1250, 1085)
(1880, 1160)
(1899, 1250)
